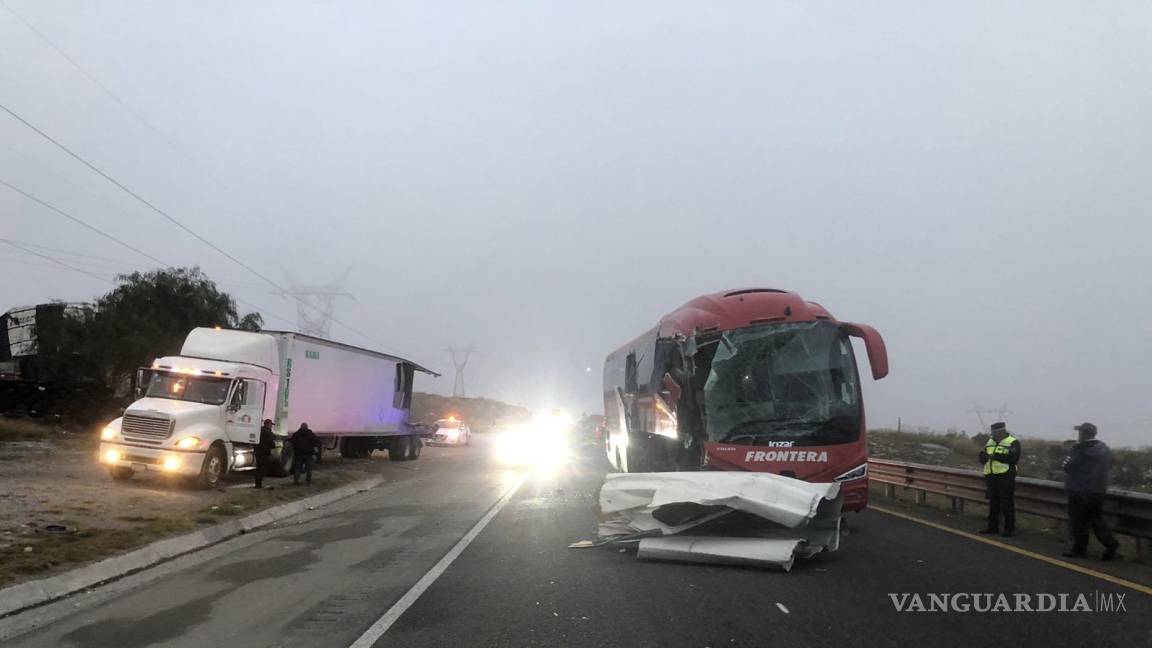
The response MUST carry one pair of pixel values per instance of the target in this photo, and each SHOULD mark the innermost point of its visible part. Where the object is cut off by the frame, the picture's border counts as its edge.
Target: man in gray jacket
(1086, 482)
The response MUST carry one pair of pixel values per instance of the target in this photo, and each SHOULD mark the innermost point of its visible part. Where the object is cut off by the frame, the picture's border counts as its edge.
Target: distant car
(451, 431)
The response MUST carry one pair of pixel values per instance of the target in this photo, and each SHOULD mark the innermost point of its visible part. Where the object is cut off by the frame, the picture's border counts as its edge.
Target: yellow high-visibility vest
(995, 452)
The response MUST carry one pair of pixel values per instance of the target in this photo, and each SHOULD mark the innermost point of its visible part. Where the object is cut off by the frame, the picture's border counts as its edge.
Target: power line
(172, 145)
(79, 222)
(82, 258)
(108, 236)
(53, 260)
(23, 247)
(137, 196)
(116, 98)
(165, 215)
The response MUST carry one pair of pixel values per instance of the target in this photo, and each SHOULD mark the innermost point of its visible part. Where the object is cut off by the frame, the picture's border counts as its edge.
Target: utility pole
(1000, 413)
(316, 305)
(459, 360)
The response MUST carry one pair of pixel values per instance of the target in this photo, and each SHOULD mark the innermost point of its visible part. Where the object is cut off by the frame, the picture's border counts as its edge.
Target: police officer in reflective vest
(999, 457)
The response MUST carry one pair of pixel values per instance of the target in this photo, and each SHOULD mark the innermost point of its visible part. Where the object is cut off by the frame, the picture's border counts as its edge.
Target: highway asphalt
(326, 578)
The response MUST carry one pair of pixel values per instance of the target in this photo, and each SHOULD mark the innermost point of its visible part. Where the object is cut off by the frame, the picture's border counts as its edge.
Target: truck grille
(137, 425)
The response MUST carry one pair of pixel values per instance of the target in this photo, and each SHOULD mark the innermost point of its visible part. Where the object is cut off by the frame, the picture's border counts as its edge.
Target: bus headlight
(107, 434)
(858, 472)
(188, 442)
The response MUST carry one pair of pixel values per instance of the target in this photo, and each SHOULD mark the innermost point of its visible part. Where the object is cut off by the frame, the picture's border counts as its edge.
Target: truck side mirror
(877, 351)
(138, 388)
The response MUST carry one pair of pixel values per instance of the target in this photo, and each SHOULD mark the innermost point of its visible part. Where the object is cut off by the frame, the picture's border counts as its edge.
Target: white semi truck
(198, 414)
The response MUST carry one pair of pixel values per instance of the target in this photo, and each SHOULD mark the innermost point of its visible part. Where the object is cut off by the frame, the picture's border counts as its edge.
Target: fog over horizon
(545, 181)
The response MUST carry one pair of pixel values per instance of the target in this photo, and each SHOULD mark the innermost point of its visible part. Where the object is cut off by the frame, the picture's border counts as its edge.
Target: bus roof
(733, 309)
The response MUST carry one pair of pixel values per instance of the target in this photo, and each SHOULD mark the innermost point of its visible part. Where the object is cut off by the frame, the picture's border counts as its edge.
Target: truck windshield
(783, 382)
(199, 389)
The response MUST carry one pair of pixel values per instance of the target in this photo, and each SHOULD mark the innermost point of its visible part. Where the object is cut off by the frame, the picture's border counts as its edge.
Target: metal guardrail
(1126, 512)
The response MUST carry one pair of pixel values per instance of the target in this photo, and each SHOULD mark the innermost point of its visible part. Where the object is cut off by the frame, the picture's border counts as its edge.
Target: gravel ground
(59, 508)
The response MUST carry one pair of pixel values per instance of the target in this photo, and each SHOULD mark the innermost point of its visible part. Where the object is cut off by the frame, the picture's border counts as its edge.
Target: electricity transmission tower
(1000, 412)
(459, 360)
(316, 305)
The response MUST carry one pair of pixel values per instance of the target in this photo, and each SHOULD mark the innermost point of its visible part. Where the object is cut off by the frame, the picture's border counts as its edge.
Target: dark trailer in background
(30, 385)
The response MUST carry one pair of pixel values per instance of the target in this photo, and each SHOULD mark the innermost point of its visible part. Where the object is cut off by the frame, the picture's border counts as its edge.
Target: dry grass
(1041, 459)
(25, 430)
(42, 552)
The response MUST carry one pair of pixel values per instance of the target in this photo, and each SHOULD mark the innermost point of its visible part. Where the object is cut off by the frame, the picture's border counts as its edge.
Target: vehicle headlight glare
(188, 442)
(107, 434)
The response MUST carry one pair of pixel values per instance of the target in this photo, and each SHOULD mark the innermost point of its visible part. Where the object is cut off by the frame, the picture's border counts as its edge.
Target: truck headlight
(107, 434)
(856, 473)
(188, 442)
(112, 456)
(171, 463)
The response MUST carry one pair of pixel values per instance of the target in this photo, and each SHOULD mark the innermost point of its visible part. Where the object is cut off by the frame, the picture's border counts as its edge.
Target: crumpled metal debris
(735, 517)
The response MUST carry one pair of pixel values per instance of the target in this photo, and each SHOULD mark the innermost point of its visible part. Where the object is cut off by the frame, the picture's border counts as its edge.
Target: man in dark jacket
(1086, 482)
(304, 443)
(999, 456)
(264, 452)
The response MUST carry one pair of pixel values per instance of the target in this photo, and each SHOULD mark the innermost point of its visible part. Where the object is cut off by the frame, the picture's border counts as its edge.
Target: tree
(146, 316)
(251, 322)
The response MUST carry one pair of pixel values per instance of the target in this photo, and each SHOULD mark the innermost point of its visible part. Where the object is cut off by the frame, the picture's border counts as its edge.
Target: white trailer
(199, 414)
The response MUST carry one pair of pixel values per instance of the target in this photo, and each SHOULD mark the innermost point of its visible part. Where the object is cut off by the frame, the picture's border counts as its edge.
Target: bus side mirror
(877, 351)
(671, 389)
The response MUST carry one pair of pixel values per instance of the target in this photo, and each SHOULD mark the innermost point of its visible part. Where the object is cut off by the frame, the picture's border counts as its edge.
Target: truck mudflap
(755, 519)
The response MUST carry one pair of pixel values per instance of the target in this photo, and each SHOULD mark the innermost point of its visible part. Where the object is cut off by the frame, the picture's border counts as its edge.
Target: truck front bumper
(170, 462)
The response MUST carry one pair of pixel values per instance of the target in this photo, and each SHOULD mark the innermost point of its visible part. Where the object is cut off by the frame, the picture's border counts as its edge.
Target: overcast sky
(544, 180)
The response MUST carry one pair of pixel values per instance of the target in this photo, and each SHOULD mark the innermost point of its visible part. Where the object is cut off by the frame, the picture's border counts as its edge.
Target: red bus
(756, 379)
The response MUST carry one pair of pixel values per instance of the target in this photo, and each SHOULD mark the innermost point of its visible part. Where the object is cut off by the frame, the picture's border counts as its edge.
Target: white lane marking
(377, 630)
(782, 608)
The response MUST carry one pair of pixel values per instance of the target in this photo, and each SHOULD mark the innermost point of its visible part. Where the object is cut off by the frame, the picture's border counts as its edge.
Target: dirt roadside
(59, 508)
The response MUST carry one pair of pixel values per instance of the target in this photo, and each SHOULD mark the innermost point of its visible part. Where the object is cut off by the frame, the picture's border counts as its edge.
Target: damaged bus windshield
(783, 382)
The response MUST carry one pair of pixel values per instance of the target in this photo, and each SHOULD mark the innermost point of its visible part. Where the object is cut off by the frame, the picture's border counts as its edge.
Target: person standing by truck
(304, 444)
(263, 452)
(999, 456)
(1086, 482)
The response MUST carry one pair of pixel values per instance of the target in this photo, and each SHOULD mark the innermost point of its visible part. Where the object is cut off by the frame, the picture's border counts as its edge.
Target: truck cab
(198, 414)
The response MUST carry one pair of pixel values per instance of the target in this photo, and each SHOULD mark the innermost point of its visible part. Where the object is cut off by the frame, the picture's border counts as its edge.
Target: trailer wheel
(120, 473)
(414, 447)
(399, 449)
(346, 448)
(215, 465)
